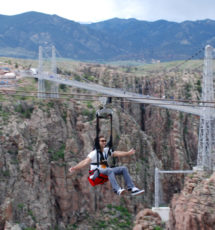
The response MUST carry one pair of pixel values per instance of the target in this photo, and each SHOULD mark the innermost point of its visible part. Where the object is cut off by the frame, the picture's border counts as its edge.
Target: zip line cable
(117, 98)
(4, 91)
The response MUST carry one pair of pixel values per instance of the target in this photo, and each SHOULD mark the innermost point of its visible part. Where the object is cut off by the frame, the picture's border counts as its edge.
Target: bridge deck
(178, 106)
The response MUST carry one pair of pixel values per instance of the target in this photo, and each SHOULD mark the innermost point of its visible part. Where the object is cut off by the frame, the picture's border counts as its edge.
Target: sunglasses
(103, 141)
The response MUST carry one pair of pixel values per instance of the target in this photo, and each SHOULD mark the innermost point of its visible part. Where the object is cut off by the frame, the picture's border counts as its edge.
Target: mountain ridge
(111, 40)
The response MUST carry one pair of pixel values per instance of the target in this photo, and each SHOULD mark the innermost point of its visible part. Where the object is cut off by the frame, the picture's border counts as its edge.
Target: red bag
(101, 179)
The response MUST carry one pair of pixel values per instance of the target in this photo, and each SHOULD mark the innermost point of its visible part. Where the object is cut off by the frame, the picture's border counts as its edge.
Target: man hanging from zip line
(102, 167)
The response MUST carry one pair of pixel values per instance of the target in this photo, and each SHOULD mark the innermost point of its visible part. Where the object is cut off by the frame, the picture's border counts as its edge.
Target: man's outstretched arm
(80, 165)
(123, 153)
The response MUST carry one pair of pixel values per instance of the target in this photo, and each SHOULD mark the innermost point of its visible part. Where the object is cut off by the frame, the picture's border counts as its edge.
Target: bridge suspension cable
(188, 59)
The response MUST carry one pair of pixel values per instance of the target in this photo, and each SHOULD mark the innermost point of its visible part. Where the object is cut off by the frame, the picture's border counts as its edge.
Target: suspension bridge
(56, 79)
(206, 110)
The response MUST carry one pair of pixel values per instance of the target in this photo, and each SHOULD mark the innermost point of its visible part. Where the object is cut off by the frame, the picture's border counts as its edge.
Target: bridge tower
(41, 81)
(54, 85)
(206, 145)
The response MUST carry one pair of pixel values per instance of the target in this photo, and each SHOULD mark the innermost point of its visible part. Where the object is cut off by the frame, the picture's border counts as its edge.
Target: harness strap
(101, 159)
(93, 163)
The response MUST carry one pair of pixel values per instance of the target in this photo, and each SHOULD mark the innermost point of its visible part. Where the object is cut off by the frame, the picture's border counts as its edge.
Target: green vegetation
(198, 86)
(4, 114)
(91, 114)
(30, 213)
(27, 85)
(169, 121)
(64, 116)
(29, 228)
(188, 88)
(190, 176)
(158, 228)
(5, 173)
(77, 78)
(89, 105)
(63, 87)
(69, 227)
(24, 110)
(57, 155)
(21, 206)
(117, 217)
(50, 104)
(89, 77)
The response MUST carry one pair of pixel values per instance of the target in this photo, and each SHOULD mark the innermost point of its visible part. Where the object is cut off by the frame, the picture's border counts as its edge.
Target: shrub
(58, 154)
(24, 110)
(89, 113)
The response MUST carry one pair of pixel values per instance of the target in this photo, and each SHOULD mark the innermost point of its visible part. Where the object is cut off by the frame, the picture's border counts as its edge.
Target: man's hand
(131, 152)
(80, 165)
(72, 170)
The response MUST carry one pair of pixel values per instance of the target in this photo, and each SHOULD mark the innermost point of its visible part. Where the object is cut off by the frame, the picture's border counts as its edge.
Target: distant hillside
(111, 40)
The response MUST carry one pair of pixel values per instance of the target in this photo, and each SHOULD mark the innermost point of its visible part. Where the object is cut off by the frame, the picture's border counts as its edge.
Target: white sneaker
(121, 191)
(136, 191)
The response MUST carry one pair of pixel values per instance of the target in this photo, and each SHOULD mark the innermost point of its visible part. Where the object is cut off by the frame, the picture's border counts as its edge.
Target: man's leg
(123, 170)
(130, 185)
(111, 176)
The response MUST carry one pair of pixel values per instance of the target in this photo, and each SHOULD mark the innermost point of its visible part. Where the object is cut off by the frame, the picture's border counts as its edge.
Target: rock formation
(147, 220)
(194, 207)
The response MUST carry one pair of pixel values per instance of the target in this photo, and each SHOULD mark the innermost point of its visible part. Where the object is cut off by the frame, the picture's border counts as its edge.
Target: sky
(87, 11)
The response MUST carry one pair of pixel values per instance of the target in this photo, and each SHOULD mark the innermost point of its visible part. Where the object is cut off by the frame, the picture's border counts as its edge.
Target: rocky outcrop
(194, 207)
(147, 220)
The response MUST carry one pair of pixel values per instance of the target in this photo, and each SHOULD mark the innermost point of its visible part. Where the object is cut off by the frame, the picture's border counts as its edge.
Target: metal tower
(206, 145)
(54, 85)
(41, 81)
(42, 75)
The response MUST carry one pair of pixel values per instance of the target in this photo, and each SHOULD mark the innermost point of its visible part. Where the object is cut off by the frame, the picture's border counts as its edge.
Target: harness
(101, 178)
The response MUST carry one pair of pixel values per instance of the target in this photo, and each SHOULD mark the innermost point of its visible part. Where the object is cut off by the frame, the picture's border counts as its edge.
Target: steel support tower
(54, 85)
(206, 145)
(41, 81)
(42, 75)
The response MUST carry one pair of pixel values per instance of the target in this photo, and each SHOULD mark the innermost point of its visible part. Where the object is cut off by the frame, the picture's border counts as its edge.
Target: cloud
(99, 10)
(179, 10)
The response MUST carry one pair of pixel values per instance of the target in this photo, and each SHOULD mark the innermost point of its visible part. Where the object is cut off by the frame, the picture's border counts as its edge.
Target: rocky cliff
(194, 207)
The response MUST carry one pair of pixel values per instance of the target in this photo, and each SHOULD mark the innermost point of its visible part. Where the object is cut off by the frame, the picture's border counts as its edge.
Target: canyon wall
(41, 139)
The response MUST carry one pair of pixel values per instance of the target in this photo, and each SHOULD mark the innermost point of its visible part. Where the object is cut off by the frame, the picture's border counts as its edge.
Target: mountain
(115, 39)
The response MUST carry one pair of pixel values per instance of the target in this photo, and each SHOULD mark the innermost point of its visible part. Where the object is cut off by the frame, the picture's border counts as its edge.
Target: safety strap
(101, 159)
(104, 113)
